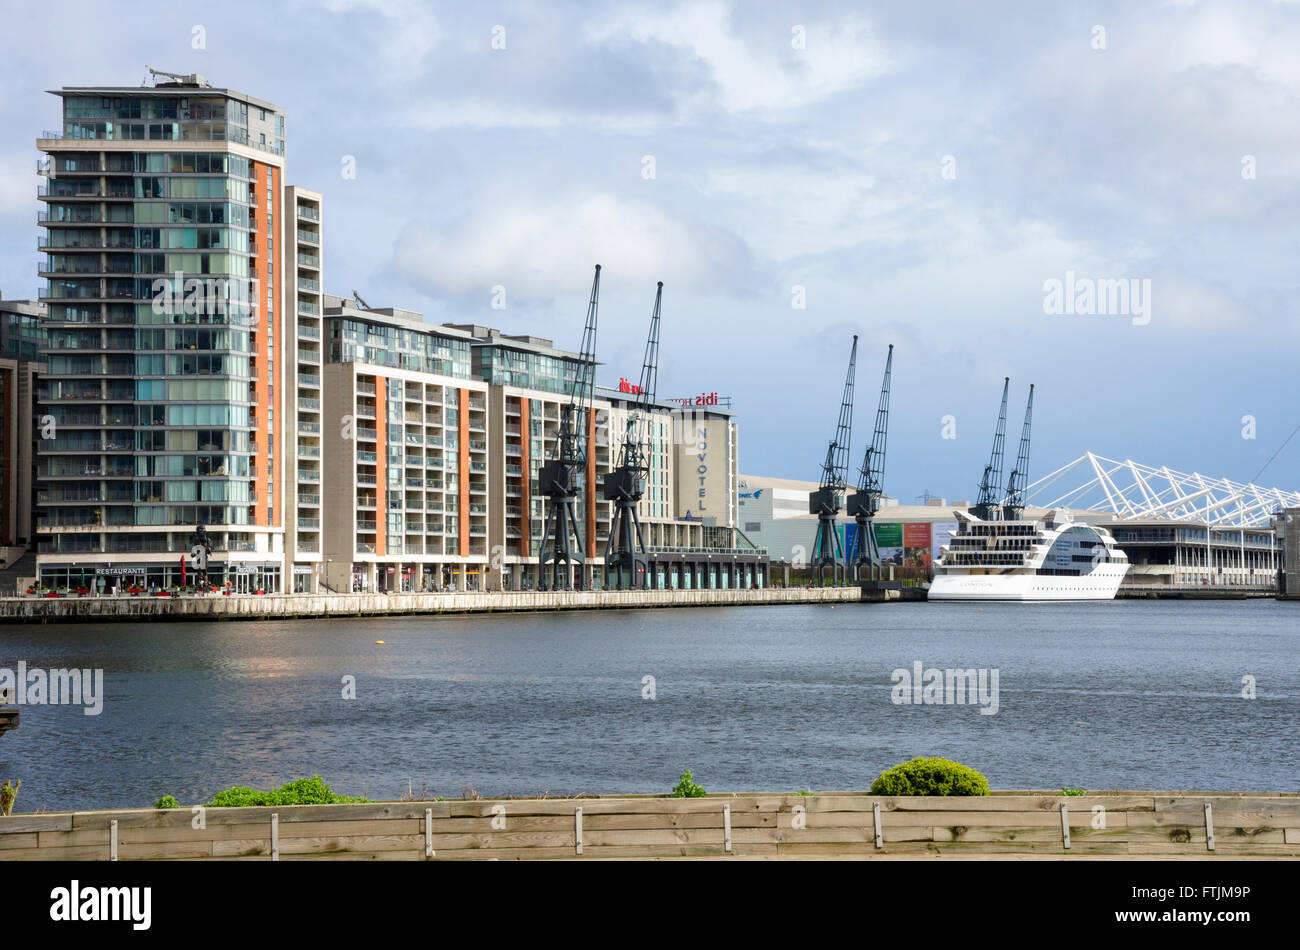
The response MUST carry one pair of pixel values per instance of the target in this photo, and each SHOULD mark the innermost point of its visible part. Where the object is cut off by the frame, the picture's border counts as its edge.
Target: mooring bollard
(428, 832)
(1209, 827)
(875, 818)
(112, 840)
(275, 836)
(1065, 827)
(726, 828)
(577, 830)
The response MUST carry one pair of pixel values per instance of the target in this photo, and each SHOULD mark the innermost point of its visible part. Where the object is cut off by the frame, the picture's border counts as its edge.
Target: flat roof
(169, 89)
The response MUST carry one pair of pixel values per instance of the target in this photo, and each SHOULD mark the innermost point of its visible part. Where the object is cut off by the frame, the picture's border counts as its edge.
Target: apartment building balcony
(311, 524)
(367, 435)
(309, 237)
(512, 409)
(365, 412)
(311, 214)
(309, 285)
(367, 389)
(309, 260)
(365, 547)
(308, 501)
(478, 467)
(309, 379)
(308, 475)
(414, 482)
(365, 525)
(415, 527)
(308, 452)
(306, 404)
(308, 333)
(514, 491)
(309, 428)
(308, 309)
(308, 547)
(367, 458)
(513, 430)
(435, 440)
(309, 356)
(363, 479)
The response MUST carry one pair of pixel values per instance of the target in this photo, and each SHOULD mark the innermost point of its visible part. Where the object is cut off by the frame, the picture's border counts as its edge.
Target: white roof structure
(1132, 491)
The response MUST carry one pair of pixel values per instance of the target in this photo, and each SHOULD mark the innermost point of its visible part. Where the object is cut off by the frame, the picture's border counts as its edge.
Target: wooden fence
(1027, 824)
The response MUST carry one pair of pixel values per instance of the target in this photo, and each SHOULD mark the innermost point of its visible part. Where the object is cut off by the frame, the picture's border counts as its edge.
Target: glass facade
(155, 265)
(378, 344)
(185, 117)
(505, 366)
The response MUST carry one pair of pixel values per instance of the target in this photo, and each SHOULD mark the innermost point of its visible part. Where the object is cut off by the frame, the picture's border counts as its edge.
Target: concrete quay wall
(289, 606)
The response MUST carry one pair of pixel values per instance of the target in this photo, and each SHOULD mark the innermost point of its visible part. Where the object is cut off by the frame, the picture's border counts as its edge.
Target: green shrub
(304, 791)
(686, 787)
(166, 802)
(1074, 791)
(922, 776)
(241, 796)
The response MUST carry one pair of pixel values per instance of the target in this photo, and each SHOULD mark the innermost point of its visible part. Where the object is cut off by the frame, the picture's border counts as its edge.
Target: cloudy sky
(913, 173)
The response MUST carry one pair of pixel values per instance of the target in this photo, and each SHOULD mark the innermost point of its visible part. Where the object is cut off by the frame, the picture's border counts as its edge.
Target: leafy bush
(241, 796)
(686, 787)
(305, 791)
(1074, 791)
(922, 776)
(166, 802)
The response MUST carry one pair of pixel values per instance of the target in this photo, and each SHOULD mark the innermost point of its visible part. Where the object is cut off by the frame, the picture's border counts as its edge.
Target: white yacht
(1052, 559)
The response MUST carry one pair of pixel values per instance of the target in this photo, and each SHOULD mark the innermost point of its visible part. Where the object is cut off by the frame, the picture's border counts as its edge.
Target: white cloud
(543, 249)
(407, 33)
(763, 72)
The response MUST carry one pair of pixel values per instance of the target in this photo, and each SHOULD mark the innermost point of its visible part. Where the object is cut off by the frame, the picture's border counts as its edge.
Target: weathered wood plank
(163, 850)
(21, 824)
(360, 843)
(26, 840)
(38, 853)
(237, 848)
(72, 839)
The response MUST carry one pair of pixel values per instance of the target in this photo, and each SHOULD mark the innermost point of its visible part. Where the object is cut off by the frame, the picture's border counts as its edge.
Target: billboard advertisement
(916, 544)
(889, 539)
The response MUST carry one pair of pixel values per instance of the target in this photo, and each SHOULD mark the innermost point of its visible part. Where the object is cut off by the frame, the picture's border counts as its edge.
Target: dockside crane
(865, 502)
(828, 552)
(988, 507)
(625, 551)
(557, 479)
(1014, 506)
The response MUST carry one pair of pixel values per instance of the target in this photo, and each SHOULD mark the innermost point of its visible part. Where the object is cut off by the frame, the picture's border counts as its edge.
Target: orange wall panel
(462, 519)
(525, 463)
(590, 488)
(381, 464)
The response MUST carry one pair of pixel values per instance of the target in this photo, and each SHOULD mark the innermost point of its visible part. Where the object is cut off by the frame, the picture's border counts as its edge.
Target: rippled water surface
(1134, 695)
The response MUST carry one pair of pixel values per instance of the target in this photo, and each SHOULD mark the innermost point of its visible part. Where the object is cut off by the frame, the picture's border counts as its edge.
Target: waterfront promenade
(289, 606)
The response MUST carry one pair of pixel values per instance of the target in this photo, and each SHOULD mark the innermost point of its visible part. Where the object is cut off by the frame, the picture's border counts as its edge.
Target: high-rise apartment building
(165, 365)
